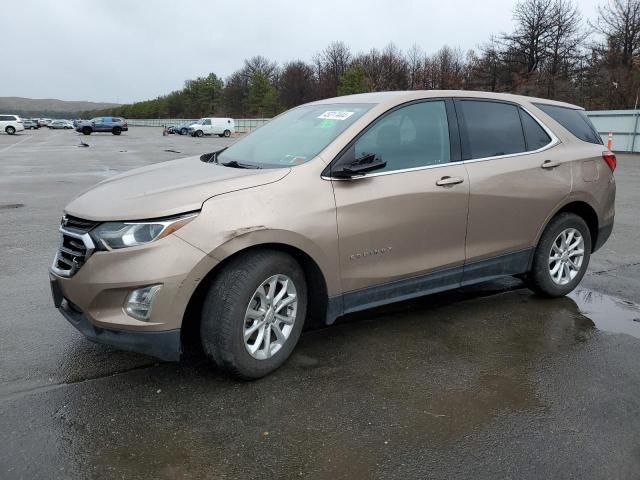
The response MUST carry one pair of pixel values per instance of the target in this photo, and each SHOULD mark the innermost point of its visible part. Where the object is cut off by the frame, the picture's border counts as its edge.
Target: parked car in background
(43, 122)
(181, 129)
(60, 124)
(11, 124)
(30, 124)
(335, 207)
(223, 127)
(115, 125)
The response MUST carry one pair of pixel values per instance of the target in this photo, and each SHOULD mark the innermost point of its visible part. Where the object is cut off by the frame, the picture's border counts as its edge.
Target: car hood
(165, 189)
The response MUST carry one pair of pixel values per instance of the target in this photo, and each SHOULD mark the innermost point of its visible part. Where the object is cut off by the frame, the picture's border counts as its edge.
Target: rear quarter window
(576, 121)
(534, 134)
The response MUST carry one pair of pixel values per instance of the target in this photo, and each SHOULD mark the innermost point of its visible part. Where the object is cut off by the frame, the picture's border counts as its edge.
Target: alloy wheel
(566, 256)
(270, 316)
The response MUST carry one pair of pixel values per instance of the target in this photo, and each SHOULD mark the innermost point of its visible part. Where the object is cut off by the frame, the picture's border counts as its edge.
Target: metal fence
(623, 124)
(243, 125)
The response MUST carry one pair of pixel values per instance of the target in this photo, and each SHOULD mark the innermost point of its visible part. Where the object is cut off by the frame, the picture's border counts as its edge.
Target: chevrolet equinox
(332, 207)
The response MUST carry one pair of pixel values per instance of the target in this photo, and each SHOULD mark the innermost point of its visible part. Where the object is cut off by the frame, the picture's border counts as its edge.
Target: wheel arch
(583, 210)
(316, 288)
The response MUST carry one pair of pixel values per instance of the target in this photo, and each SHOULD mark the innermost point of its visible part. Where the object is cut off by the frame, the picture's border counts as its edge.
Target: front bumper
(94, 298)
(164, 345)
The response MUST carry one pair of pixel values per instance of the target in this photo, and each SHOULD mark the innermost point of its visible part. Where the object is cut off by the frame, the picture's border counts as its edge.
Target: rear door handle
(445, 181)
(550, 164)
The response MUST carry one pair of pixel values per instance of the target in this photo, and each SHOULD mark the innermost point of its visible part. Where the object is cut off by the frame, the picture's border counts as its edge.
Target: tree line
(552, 51)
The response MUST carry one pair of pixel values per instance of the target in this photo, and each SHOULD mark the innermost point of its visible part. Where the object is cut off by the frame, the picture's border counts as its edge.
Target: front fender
(297, 211)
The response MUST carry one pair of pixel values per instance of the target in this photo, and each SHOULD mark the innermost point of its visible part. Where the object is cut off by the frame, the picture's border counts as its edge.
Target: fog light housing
(139, 302)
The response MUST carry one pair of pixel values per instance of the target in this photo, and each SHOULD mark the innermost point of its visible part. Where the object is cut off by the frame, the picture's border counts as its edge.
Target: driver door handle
(447, 181)
(550, 164)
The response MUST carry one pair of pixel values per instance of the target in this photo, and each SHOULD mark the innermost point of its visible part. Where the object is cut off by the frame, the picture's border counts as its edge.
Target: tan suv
(333, 207)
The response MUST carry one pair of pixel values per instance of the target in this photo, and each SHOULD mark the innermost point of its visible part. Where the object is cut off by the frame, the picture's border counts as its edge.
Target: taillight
(610, 159)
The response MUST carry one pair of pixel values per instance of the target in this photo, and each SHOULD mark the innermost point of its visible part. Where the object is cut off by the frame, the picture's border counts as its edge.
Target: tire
(541, 279)
(10, 130)
(116, 130)
(183, 131)
(86, 130)
(224, 314)
(227, 133)
(199, 133)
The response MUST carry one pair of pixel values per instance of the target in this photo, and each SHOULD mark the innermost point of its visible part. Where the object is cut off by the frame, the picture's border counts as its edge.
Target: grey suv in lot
(334, 207)
(115, 125)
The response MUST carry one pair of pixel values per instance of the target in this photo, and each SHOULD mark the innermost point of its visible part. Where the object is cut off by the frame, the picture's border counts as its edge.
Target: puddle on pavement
(10, 206)
(609, 314)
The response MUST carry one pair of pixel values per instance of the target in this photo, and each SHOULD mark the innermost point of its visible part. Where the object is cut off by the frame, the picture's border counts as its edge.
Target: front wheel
(199, 133)
(184, 131)
(253, 313)
(10, 130)
(561, 257)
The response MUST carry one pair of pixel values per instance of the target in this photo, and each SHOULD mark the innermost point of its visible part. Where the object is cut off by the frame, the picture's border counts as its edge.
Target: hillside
(48, 107)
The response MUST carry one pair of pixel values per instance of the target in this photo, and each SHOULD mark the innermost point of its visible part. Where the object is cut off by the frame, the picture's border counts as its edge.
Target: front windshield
(294, 137)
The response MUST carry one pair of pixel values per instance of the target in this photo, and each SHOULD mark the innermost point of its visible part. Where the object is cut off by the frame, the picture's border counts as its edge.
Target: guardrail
(623, 124)
(243, 125)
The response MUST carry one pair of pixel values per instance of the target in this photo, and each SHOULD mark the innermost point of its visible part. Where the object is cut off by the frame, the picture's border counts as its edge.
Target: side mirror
(366, 163)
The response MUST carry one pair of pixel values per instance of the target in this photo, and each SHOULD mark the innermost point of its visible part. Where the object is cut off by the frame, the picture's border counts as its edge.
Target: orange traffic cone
(610, 140)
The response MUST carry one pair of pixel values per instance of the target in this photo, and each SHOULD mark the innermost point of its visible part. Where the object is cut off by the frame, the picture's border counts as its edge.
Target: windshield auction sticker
(335, 115)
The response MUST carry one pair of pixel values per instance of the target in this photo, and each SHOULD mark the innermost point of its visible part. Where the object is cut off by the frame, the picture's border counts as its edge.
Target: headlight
(112, 235)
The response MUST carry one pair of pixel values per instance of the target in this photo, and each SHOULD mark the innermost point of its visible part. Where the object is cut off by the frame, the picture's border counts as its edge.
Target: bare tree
(529, 41)
(415, 58)
(565, 40)
(332, 62)
(260, 64)
(298, 84)
(619, 22)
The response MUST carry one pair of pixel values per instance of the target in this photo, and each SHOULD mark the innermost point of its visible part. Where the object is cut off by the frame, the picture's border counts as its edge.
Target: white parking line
(13, 145)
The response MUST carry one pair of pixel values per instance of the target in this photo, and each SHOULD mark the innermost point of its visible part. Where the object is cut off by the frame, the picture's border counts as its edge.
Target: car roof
(398, 97)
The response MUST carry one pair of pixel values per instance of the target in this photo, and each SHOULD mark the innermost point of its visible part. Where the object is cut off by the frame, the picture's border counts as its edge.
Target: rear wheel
(227, 133)
(86, 130)
(116, 130)
(253, 313)
(561, 257)
(10, 130)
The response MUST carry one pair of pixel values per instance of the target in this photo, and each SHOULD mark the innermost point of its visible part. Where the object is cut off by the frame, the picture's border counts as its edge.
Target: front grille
(76, 246)
(78, 223)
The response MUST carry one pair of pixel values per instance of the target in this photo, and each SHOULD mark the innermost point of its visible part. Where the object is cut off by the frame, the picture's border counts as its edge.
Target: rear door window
(490, 129)
(576, 121)
(534, 134)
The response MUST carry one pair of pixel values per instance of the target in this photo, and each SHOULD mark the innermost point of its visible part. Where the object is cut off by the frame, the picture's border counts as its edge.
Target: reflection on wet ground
(381, 393)
(608, 313)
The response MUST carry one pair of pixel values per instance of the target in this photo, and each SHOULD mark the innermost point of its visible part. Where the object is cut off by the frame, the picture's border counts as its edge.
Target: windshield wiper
(236, 164)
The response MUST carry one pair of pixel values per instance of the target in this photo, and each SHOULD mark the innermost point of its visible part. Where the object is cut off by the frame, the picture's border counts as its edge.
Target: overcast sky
(123, 51)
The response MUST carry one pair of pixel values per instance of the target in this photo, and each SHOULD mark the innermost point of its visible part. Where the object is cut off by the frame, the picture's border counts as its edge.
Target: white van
(223, 127)
(11, 124)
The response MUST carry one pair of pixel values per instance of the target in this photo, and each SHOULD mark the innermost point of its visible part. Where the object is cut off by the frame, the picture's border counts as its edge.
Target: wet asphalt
(486, 382)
